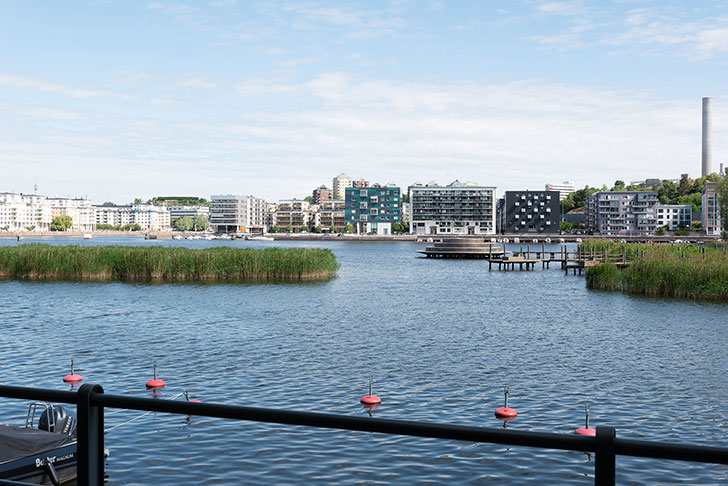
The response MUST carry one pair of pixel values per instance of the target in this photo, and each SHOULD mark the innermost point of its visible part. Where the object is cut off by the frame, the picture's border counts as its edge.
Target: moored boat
(42, 455)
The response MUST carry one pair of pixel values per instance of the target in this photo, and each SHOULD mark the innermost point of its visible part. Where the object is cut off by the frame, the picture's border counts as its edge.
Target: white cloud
(22, 82)
(198, 83)
(513, 135)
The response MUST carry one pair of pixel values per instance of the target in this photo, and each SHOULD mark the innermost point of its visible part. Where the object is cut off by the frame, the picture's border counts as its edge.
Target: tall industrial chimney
(707, 152)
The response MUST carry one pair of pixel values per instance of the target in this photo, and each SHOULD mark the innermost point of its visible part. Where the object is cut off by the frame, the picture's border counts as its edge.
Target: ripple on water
(440, 338)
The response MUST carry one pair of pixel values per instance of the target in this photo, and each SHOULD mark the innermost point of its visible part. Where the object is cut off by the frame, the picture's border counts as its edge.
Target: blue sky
(124, 99)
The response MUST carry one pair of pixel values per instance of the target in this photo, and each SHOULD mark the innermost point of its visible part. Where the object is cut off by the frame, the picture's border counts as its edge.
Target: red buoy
(505, 411)
(72, 378)
(586, 430)
(370, 399)
(155, 383)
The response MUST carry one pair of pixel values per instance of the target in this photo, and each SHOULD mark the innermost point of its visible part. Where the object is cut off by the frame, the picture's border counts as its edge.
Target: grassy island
(165, 264)
(682, 271)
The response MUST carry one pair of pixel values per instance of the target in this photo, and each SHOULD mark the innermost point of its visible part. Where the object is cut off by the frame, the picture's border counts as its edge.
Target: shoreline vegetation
(165, 264)
(680, 271)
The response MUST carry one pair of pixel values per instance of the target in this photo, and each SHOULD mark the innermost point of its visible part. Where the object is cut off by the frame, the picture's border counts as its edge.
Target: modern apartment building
(674, 216)
(710, 215)
(332, 214)
(21, 211)
(231, 213)
(149, 217)
(176, 212)
(296, 213)
(622, 212)
(458, 208)
(359, 183)
(322, 193)
(270, 215)
(564, 189)
(340, 183)
(18, 212)
(373, 209)
(532, 212)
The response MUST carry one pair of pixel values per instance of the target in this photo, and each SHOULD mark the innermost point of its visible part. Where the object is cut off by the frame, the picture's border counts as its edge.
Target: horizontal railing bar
(627, 447)
(331, 421)
(25, 393)
(5, 482)
(677, 452)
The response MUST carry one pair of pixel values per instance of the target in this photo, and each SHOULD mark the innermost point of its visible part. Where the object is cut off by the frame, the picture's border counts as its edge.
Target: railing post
(604, 457)
(90, 453)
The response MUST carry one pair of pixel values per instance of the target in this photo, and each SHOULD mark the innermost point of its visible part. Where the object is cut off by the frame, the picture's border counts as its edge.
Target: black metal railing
(91, 401)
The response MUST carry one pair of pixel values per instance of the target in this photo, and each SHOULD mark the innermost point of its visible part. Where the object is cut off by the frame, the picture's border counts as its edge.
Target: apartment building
(710, 214)
(373, 209)
(322, 193)
(340, 183)
(622, 212)
(532, 212)
(674, 216)
(296, 213)
(231, 213)
(18, 212)
(176, 212)
(332, 213)
(564, 189)
(458, 208)
(149, 217)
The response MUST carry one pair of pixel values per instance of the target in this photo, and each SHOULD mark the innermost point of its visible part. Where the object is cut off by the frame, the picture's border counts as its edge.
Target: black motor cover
(62, 421)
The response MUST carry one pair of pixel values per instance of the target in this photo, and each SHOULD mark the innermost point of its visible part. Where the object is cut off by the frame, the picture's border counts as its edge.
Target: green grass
(46, 262)
(682, 271)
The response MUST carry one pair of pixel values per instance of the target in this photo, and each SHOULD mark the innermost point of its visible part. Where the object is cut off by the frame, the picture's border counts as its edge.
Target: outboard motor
(57, 419)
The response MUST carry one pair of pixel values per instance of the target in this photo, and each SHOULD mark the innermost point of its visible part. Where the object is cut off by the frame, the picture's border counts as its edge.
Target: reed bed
(682, 271)
(165, 264)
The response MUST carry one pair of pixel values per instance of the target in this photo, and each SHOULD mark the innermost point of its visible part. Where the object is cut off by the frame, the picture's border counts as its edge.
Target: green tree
(577, 199)
(137, 200)
(308, 199)
(695, 199)
(61, 223)
(405, 198)
(685, 187)
(185, 223)
(334, 229)
(318, 229)
(303, 228)
(274, 229)
(619, 185)
(200, 222)
(348, 228)
(109, 203)
(667, 192)
(289, 229)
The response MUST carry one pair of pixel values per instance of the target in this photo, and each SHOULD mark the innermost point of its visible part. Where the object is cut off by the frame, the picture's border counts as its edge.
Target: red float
(370, 399)
(73, 377)
(155, 383)
(505, 411)
(586, 430)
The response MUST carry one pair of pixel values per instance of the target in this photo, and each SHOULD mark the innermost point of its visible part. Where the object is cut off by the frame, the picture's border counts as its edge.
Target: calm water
(441, 338)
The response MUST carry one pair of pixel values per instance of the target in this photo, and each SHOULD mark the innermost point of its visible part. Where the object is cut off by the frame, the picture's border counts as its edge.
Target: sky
(116, 100)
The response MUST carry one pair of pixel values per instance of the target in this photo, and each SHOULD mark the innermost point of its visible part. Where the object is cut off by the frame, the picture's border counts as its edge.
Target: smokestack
(707, 152)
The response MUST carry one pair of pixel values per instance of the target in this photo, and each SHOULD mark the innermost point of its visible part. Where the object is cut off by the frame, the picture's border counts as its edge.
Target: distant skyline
(123, 99)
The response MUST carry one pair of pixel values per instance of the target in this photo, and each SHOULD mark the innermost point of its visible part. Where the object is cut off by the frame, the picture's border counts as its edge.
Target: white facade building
(231, 213)
(458, 208)
(176, 212)
(18, 212)
(674, 216)
(150, 218)
(564, 189)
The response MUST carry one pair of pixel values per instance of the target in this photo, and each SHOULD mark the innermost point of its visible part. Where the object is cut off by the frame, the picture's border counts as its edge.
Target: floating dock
(464, 248)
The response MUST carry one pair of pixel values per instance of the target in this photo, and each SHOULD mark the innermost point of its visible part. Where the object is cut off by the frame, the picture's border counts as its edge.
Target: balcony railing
(91, 402)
